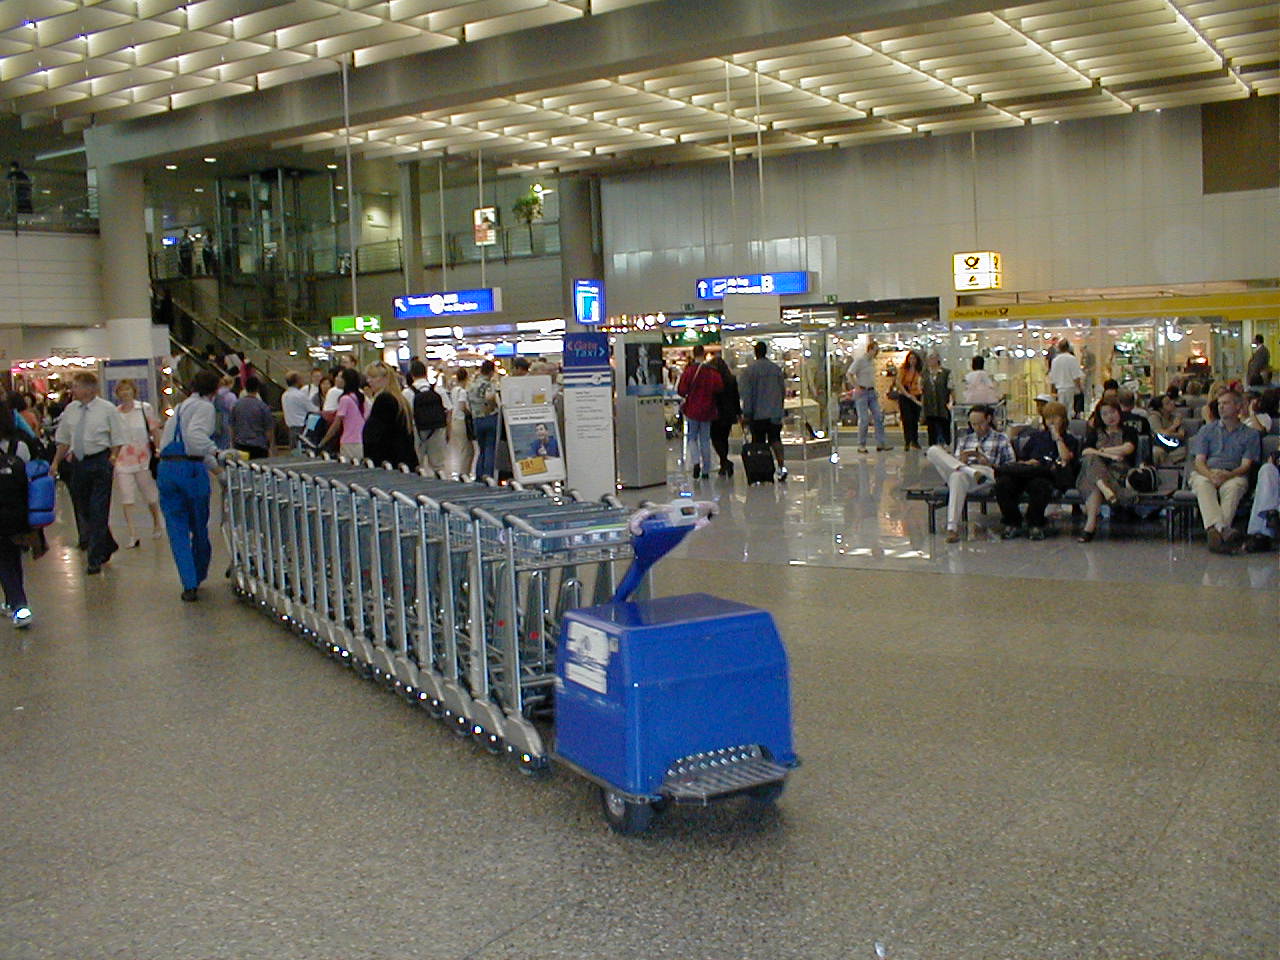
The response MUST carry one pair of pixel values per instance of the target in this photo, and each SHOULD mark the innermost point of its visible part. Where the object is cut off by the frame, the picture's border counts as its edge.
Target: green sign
(362, 324)
(833, 298)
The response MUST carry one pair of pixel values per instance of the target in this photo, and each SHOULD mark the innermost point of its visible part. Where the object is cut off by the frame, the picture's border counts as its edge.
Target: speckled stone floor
(994, 767)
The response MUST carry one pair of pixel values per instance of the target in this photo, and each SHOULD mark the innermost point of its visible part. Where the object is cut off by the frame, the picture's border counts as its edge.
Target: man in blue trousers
(188, 455)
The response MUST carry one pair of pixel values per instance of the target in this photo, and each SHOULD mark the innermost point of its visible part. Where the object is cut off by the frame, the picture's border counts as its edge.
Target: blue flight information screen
(784, 283)
(448, 303)
(588, 301)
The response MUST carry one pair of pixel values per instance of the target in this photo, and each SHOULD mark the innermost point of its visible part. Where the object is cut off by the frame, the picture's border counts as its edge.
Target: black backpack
(428, 410)
(13, 493)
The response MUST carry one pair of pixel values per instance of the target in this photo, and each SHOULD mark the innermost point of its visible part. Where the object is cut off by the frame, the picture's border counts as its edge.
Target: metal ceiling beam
(634, 39)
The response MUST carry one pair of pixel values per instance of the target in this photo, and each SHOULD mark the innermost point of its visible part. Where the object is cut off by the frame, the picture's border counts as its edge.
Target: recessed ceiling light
(199, 189)
(210, 159)
(331, 166)
(340, 186)
(171, 166)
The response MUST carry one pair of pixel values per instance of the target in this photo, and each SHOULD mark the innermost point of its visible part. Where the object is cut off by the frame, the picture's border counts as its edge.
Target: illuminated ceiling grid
(74, 61)
(1039, 63)
(116, 59)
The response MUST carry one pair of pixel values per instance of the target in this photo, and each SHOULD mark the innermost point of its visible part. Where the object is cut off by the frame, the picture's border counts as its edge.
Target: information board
(448, 303)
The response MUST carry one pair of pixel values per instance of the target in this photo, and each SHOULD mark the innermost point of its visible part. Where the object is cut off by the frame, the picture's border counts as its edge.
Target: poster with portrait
(642, 369)
(537, 452)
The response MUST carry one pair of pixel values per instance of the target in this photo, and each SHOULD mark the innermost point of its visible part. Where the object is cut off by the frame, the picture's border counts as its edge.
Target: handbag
(153, 464)
(1142, 479)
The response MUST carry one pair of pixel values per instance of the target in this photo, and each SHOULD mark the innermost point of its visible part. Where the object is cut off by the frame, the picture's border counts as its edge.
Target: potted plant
(528, 208)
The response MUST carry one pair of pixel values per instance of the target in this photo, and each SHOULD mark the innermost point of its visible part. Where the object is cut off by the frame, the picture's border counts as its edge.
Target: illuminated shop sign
(361, 324)
(782, 284)
(978, 270)
(449, 303)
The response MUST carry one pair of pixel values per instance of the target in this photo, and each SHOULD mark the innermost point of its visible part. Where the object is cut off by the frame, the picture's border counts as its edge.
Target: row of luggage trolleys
(483, 603)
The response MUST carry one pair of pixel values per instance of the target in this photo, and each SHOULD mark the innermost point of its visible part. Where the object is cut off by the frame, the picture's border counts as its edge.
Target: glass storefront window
(802, 356)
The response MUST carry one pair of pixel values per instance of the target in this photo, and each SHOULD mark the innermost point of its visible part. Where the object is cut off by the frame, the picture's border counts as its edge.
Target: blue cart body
(642, 685)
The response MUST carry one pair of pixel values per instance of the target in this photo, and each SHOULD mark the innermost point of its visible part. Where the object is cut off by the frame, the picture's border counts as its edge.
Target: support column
(581, 249)
(411, 226)
(126, 282)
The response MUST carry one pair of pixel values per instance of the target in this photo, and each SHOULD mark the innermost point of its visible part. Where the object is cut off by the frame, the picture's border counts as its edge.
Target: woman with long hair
(728, 410)
(348, 422)
(910, 389)
(388, 430)
(1108, 453)
(133, 465)
(461, 444)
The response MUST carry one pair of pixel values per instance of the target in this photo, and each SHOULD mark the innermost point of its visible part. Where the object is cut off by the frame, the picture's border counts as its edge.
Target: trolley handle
(480, 513)
(358, 490)
(457, 511)
(702, 512)
(380, 494)
(524, 526)
(401, 497)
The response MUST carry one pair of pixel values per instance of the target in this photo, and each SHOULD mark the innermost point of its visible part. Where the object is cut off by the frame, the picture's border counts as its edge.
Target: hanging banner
(485, 222)
(588, 414)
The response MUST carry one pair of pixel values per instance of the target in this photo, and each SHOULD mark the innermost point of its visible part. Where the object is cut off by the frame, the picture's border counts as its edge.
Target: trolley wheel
(434, 708)
(767, 793)
(459, 724)
(627, 817)
(491, 742)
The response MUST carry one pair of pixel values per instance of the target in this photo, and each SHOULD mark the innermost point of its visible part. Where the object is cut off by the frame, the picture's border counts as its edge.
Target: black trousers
(1009, 491)
(255, 453)
(720, 439)
(939, 430)
(11, 573)
(909, 411)
(91, 492)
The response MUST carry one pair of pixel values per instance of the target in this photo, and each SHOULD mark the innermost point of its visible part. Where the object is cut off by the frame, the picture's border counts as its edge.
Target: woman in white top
(133, 465)
(978, 385)
(461, 450)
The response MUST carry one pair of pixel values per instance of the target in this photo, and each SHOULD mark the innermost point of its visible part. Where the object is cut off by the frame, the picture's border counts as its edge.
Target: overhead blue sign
(449, 303)
(586, 350)
(784, 283)
(588, 301)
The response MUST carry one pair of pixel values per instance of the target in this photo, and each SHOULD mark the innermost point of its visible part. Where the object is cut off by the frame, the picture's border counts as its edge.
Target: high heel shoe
(1086, 536)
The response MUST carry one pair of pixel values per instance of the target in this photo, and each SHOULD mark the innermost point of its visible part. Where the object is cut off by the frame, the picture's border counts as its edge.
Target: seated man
(1225, 451)
(977, 455)
(1264, 515)
(1047, 464)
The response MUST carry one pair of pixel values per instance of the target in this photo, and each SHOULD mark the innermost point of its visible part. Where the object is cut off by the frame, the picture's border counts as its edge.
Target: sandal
(1086, 536)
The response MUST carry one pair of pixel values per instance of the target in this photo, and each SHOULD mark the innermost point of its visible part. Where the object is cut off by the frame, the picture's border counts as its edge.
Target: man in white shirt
(91, 432)
(1066, 376)
(432, 443)
(296, 404)
(861, 379)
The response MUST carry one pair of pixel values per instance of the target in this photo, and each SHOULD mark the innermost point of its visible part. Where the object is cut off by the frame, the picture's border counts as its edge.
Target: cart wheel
(530, 766)
(434, 708)
(624, 816)
(767, 793)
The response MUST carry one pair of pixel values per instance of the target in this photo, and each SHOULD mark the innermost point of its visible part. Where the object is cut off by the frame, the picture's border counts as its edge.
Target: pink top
(352, 418)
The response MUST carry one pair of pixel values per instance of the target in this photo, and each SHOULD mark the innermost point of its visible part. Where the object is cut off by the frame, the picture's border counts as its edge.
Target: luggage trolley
(465, 598)
(529, 559)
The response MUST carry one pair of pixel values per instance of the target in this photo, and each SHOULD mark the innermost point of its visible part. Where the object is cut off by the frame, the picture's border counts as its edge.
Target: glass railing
(49, 201)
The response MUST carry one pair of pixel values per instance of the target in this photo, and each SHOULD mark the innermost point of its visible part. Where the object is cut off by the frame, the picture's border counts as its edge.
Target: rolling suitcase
(757, 462)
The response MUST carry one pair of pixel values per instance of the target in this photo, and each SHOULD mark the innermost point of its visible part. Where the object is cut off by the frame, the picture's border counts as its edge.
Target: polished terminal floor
(1010, 750)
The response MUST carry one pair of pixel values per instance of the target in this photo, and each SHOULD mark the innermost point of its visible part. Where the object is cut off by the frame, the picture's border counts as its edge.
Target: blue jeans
(91, 490)
(486, 429)
(184, 501)
(868, 403)
(697, 438)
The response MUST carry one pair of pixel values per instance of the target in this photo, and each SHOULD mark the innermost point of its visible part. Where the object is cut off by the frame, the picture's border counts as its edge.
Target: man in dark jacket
(762, 390)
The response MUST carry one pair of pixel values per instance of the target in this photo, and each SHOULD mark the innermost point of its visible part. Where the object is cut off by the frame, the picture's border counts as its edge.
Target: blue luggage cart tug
(682, 699)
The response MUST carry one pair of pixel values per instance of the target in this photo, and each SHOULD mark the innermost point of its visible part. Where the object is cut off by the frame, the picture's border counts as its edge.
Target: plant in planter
(528, 208)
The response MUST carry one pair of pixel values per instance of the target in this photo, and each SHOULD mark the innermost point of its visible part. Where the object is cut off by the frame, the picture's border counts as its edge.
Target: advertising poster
(643, 369)
(485, 223)
(537, 454)
(588, 414)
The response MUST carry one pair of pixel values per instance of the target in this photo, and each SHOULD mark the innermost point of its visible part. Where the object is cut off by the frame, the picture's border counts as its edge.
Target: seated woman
(1107, 456)
(1047, 465)
(1170, 446)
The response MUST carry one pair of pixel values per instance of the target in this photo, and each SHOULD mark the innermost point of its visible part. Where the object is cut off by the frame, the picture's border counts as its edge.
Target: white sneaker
(22, 618)
(781, 474)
